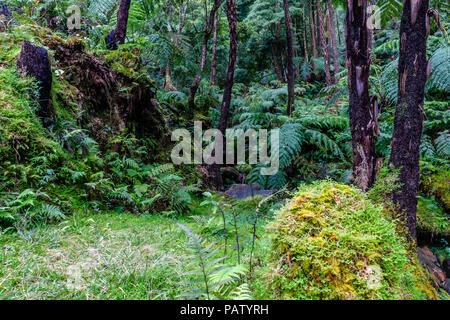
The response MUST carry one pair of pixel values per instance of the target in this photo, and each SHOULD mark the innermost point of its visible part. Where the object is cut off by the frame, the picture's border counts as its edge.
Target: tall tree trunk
(323, 42)
(358, 64)
(408, 123)
(313, 32)
(226, 100)
(277, 50)
(208, 29)
(338, 27)
(296, 49)
(333, 40)
(214, 51)
(118, 35)
(305, 39)
(232, 24)
(181, 18)
(290, 58)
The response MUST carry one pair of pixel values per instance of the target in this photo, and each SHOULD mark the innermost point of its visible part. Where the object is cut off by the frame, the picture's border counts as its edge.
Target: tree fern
(102, 9)
(440, 69)
(443, 144)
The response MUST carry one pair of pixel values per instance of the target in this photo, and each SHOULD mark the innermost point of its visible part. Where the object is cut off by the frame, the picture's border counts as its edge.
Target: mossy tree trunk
(408, 123)
(358, 64)
(34, 62)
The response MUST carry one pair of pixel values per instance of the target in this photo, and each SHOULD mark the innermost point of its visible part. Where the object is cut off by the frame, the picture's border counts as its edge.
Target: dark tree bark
(290, 58)
(229, 82)
(358, 64)
(226, 100)
(34, 62)
(408, 123)
(214, 52)
(118, 35)
(208, 29)
(333, 41)
(324, 44)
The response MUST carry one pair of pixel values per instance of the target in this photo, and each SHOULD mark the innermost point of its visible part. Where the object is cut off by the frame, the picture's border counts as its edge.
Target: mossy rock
(331, 242)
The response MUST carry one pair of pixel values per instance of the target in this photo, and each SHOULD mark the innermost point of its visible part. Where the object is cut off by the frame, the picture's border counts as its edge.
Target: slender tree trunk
(296, 49)
(408, 123)
(181, 18)
(323, 42)
(338, 27)
(313, 33)
(226, 100)
(305, 39)
(277, 49)
(214, 52)
(290, 58)
(232, 22)
(358, 64)
(333, 40)
(208, 29)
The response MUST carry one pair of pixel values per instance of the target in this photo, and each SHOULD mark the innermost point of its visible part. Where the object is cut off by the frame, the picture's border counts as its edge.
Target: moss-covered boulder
(331, 242)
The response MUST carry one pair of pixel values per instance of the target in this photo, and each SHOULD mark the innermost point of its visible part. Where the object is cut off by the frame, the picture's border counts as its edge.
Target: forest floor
(100, 256)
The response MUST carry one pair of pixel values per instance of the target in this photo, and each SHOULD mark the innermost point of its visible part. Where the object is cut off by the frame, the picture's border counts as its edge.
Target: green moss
(21, 133)
(438, 185)
(331, 242)
(125, 62)
(431, 217)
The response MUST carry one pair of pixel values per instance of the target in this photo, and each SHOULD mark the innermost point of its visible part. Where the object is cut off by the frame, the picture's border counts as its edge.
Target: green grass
(111, 256)
(105, 256)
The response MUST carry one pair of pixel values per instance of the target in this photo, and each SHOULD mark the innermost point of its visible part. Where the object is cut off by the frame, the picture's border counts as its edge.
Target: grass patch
(105, 256)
